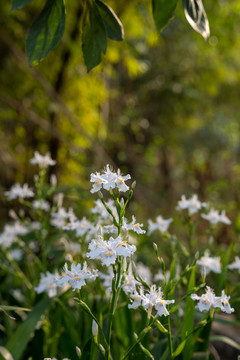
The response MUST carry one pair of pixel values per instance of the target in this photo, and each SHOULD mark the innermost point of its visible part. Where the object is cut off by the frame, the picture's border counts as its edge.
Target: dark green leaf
(94, 37)
(196, 16)
(163, 12)
(18, 4)
(20, 338)
(46, 31)
(86, 354)
(112, 23)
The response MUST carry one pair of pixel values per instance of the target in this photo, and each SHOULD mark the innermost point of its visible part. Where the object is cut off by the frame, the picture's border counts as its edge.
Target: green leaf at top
(18, 4)
(196, 16)
(112, 23)
(163, 12)
(94, 37)
(46, 31)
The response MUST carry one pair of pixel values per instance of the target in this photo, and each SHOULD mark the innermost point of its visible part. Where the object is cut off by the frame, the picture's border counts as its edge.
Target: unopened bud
(94, 328)
(78, 351)
(133, 185)
(155, 247)
(53, 180)
(102, 348)
(100, 195)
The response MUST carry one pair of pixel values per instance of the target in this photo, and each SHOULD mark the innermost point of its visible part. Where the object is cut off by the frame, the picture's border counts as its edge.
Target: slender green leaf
(179, 349)
(163, 12)
(18, 4)
(188, 320)
(46, 31)
(94, 37)
(225, 263)
(196, 16)
(226, 340)
(86, 353)
(20, 338)
(13, 308)
(112, 23)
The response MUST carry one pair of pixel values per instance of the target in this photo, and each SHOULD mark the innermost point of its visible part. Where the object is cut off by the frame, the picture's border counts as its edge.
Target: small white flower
(214, 217)
(210, 263)
(137, 299)
(10, 232)
(18, 191)
(161, 224)
(107, 251)
(43, 161)
(109, 179)
(80, 226)
(193, 205)
(208, 300)
(16, 254)
(48, 284)
(235, 264)
(62, 217)
(41, 205)
(76, 276)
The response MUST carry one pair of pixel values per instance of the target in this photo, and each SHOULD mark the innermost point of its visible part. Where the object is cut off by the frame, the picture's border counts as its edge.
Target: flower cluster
(214, 217)
(161, 224)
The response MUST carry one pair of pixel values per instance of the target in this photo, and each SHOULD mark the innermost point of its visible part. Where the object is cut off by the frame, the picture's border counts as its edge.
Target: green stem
(170, 338)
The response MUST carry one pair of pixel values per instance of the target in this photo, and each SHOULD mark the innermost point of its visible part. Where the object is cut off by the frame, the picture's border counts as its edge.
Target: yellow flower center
(108, 253)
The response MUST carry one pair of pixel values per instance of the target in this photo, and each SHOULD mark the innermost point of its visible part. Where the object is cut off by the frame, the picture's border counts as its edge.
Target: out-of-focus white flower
(18, 191)
(210, 263)
(43, 161)
(144, 272)
(130, 283)
(76, 276)
(109, 179)
(41, 205)
(16, 254)
(193, 205)
(136, 227)
(235, 264)
(137, 299)
(160, 276)
(10, 231)
(214, 217)
(208, 300)
(107, 251)
(80, 226)
(101, 210)
(62, 217)
(47, 283)
(161, 224)
(107, 279)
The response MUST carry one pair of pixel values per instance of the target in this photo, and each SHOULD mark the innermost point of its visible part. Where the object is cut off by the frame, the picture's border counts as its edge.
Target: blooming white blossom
(43, 161)
(41, 205)
(214, 217)
(107, 251)
(18, 191)
(209, 264)
(235, 264)
(208, 300)
(109, 179)
(152, 298)
(76, 276)
(193, 205)
(47, 283)
(160, 224)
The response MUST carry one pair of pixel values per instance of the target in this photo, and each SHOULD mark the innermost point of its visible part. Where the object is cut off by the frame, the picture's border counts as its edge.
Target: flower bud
(94, 329)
